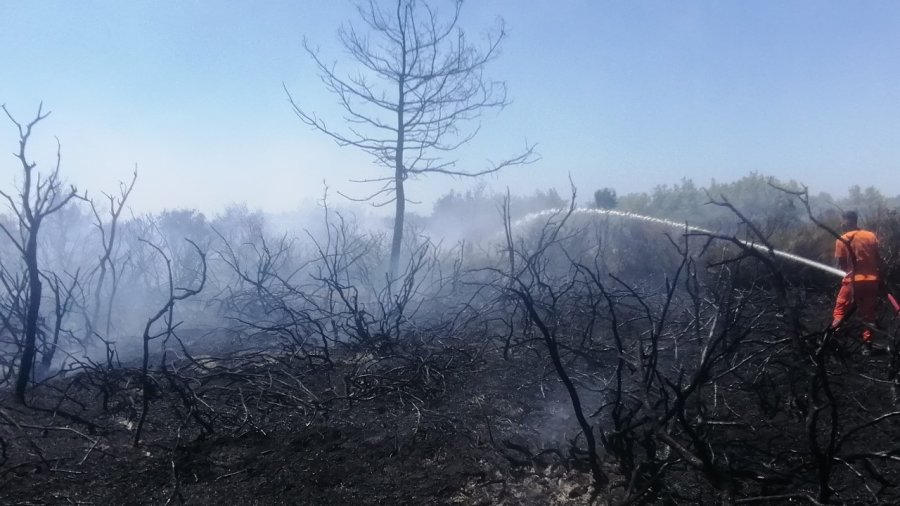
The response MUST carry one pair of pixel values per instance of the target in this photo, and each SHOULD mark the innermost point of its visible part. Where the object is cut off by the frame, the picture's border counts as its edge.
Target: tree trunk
(31, 316)
(398, 227)
(399, 174)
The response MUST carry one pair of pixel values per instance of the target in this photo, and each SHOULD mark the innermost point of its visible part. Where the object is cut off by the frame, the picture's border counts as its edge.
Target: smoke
(464, 231)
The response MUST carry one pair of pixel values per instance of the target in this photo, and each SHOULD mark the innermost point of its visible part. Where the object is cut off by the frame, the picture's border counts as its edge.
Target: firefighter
(857, 254)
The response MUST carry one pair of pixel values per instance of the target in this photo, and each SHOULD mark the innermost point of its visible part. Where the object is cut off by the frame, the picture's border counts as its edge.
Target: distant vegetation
(779, 214)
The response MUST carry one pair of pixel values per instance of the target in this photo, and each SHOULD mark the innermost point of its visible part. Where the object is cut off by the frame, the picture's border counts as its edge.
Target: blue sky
(627, 94)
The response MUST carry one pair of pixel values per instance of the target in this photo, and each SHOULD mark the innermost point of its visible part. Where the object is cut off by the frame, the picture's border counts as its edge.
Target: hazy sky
(627, 94)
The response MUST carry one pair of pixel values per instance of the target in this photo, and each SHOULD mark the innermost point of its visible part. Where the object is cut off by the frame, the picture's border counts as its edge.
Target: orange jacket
(862, 260)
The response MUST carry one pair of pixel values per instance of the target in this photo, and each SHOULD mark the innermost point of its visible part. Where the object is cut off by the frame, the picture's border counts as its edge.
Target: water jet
(674, 224)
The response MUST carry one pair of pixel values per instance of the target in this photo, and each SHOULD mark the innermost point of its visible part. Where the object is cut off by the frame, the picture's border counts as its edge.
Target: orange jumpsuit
(859, 287)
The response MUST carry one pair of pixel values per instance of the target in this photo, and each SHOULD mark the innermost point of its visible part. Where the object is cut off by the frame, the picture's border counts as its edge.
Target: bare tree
(419, 82)
(106, 262)
(64, 298)
(38, 198)
(165, 314)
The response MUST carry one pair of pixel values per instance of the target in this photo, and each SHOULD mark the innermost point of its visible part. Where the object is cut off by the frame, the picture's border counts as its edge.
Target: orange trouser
(861, 296)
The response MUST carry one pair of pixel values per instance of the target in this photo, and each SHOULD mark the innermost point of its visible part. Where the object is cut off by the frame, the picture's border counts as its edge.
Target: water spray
(674, 224)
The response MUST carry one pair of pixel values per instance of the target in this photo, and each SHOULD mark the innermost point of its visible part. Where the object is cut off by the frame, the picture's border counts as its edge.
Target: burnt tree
(107, 262)
(419, 82)
(38, 198)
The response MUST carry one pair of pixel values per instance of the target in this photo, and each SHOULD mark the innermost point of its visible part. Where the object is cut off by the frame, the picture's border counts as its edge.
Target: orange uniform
(857, 252)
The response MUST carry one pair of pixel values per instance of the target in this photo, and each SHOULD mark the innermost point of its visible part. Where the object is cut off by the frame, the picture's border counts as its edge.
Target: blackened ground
(452, 424)
(483, 431)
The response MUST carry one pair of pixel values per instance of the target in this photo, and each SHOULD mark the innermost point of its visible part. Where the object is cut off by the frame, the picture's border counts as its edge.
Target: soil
(483, 430)
(448, 423)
